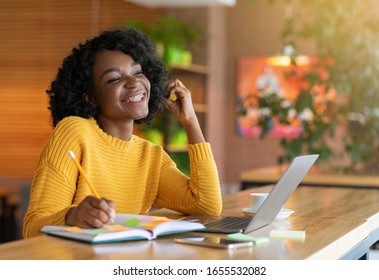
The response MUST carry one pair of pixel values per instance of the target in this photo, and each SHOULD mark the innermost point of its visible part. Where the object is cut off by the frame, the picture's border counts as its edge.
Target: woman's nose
(131, 82)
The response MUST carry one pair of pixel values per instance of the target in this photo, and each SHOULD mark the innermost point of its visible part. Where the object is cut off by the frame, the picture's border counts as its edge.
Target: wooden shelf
(200, 108)
(193, 68)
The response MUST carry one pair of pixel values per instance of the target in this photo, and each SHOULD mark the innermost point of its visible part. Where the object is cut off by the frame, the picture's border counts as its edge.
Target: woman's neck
(117, 128)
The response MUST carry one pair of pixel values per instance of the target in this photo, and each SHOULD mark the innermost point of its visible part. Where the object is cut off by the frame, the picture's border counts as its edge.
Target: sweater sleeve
(198, 194)
(50, 199)
(54, 183)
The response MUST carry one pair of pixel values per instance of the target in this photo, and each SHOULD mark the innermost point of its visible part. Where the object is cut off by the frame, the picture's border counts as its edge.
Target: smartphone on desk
(214, 242)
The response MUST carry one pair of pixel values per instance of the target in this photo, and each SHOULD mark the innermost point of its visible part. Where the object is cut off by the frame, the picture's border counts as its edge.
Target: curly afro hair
(66, 93)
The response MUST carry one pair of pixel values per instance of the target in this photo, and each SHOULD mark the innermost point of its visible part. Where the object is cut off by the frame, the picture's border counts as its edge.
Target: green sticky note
(133, 222)
(244, 237)
(96, 231)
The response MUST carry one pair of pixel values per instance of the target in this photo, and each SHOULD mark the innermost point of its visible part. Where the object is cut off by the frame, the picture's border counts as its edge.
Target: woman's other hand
(179, 102)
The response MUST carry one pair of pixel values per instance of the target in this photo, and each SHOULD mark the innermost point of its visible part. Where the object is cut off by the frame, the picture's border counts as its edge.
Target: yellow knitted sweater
(135, 174)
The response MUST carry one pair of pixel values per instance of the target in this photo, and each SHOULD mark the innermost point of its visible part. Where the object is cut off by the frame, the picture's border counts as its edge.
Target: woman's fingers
(176, 89)
(94, 212)
(108, 207)
(181, 105)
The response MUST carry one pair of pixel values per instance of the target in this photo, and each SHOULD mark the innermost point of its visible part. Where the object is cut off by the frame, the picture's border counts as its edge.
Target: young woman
(103, 88)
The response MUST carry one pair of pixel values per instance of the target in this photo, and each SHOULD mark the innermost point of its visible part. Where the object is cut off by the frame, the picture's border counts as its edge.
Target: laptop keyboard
(227, 223)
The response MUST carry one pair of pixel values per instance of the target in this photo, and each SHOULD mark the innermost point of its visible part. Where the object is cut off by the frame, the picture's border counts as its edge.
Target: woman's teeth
(135, 98)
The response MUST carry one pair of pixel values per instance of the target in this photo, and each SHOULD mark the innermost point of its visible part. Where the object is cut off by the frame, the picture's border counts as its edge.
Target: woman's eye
(138, 73)
(113, 80)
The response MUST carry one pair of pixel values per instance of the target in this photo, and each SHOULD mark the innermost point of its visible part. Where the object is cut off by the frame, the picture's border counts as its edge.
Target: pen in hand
(93, 190)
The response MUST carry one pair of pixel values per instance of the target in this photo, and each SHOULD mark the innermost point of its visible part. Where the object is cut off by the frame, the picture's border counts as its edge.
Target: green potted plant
(171, 36)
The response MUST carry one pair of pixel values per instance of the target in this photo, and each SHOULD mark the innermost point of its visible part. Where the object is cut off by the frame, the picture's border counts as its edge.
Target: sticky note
(152, 225)
(73, 229)
(173, 96)
(115, 227)
(244, 237)
(288, 234)
(95, 231)
(133, 222)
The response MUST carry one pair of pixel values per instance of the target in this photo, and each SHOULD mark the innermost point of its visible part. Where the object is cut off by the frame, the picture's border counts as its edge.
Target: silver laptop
(271, 207)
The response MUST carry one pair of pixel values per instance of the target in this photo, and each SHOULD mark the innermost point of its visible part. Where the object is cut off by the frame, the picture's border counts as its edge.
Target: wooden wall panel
(35, 36)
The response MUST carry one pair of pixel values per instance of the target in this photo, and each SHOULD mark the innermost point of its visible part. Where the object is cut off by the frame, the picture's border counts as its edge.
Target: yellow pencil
(72, 155)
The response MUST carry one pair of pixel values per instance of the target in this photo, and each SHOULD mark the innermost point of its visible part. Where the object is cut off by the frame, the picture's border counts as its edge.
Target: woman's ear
(89, 100)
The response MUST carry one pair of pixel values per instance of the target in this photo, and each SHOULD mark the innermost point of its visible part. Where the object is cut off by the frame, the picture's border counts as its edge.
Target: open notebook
(279, 195)
(125, 227)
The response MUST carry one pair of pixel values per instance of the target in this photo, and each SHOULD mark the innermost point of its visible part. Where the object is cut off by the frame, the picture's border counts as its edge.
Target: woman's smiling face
(120, 90)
